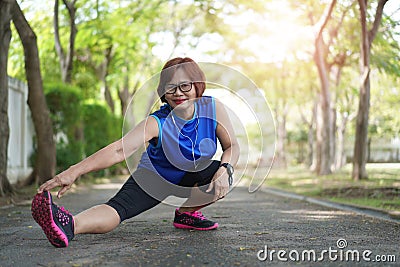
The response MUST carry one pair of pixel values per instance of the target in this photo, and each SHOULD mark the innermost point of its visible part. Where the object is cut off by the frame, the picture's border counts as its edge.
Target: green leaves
(124, 43)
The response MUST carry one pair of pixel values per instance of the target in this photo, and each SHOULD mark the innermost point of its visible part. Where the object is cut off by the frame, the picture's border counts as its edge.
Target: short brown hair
(190, 67)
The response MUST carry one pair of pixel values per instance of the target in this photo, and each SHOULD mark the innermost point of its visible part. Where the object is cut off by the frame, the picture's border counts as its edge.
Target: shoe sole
(43, 215)
(183, 226)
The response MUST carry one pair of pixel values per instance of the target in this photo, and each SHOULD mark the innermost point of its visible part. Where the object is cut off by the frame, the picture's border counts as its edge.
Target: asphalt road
(257, 229)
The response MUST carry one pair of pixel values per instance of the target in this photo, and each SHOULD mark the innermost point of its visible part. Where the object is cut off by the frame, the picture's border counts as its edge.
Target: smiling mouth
(180, 101)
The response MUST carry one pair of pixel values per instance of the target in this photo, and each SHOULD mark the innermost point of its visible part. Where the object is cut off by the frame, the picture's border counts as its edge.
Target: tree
(367, 37)
(113, 44)
(345, 113)
(5, 37)
(66, 59)
(45, 164)
(330, 58)
(324, 121)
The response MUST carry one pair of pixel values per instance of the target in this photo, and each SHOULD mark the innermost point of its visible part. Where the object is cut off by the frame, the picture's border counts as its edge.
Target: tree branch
(334, 32)
(377, 21)
(72, 35)
(57, 42)
(323, 21)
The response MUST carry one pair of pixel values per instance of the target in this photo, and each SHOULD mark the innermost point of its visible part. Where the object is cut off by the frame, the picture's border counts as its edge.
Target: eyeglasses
(184, 87)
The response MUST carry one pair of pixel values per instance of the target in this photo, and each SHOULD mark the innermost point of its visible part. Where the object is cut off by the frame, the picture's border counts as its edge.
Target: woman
(181, 138)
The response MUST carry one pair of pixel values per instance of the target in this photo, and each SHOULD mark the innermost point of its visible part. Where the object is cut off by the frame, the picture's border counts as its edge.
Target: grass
(390, 205)
(381, 190)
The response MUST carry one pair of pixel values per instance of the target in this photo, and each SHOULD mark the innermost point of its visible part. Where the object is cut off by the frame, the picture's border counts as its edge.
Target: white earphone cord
(192, 143)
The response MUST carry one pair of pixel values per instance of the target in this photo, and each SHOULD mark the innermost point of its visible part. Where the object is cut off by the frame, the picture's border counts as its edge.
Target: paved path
(249, 223)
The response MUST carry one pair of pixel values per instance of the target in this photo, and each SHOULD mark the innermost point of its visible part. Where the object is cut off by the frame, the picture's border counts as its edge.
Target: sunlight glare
(278, 35)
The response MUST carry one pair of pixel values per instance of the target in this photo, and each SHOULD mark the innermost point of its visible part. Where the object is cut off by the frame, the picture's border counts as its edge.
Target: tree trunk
(323, 137)
(310, 145)
(340, 159)
(5, 37)
(280, 155)
(309, 161)
(66, 60)
(332, 137)
(361, 142)
(108, 97)
(323, 129)
(102, 74)
(360, 145)
(324, 121)
(124, 94)
(45, 164)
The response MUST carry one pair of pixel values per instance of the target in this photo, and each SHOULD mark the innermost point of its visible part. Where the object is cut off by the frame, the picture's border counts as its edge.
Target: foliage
(297, 136)
(101, 128)
(64, 102)
(384, 123)
(80, 129)
(251, 36)
(385, 54)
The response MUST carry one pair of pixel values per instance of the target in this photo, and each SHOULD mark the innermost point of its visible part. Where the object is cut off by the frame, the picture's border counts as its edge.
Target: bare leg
(96, 220)
(197, 200)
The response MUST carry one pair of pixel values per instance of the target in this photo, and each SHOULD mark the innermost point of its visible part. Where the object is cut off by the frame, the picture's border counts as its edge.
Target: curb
(375, 213)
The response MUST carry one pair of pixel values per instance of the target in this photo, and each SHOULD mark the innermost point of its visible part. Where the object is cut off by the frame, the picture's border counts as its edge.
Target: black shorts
(133, 199)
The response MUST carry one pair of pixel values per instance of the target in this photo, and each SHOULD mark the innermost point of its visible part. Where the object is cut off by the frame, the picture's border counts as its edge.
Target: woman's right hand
(64, 179)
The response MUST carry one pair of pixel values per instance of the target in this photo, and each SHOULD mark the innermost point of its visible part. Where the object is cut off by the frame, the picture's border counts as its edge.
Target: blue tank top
(182, 145)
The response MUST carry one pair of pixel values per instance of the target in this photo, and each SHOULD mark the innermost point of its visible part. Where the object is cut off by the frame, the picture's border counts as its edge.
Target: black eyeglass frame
(175, 87)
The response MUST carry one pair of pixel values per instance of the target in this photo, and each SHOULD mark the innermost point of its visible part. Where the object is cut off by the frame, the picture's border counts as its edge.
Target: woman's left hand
(220, 183)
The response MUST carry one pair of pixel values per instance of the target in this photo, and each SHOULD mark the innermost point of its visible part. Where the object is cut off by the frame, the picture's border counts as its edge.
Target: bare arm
(105, 157)
(226, 136)
(231, 151)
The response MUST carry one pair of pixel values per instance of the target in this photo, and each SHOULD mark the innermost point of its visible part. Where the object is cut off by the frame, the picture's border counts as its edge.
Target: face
(179, 99)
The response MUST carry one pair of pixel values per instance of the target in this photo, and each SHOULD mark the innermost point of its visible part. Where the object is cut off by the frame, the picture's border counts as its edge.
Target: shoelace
(198, 214)
(65, 210)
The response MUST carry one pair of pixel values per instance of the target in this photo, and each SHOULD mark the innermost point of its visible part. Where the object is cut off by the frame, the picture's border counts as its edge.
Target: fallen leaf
(261, 233)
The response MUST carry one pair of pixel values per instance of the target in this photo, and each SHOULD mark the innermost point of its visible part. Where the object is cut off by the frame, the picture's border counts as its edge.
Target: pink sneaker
(56, 222)
(193, 220)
